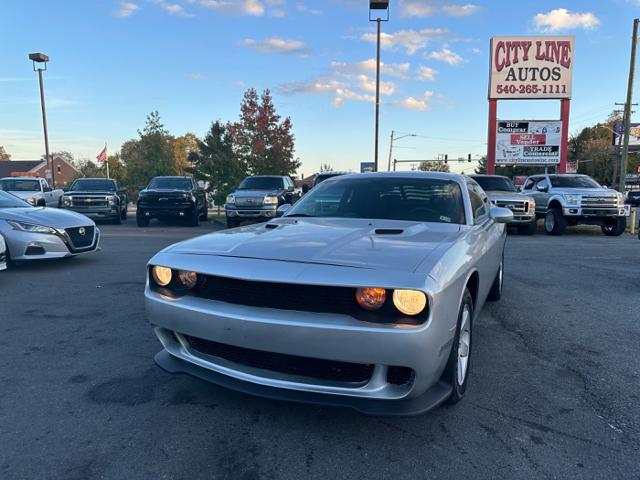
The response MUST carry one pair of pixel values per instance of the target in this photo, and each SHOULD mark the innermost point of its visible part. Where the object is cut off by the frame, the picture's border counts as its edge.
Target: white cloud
(302, 7)
(446, 55)
(411, 41)
(340, 90)
(248, 7)
(461, 10)
(427, 74)
(563, 19)
(368, 84)
(412, 103)
(277, 45)
(398, 70)
(426, 8)
(126, 9)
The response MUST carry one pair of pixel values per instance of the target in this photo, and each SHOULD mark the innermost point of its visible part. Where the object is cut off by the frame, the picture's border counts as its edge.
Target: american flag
(102, 156)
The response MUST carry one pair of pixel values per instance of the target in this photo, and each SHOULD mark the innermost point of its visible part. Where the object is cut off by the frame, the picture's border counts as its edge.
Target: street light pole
(395, 139)
(374, 6)
(42, 58)
(627, 109)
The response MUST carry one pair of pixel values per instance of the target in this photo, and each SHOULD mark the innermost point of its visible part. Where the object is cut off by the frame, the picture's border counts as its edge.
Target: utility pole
(627, 108)
(377, 96)
(40, 59)
(390, 151)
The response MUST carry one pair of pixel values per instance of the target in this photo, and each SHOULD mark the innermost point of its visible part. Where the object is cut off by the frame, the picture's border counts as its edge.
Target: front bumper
(577, 211)
(522, 219)
(331, 337)
(97, 213)
(265, 211)
(25, 246)
(178, 211)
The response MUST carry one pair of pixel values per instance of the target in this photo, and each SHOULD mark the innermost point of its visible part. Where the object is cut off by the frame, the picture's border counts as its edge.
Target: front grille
(80, 240)
(514, 206)
(249, 201)
(284, 296)
(288, 364)
(89, 201)
(599, 202)
(165, 200)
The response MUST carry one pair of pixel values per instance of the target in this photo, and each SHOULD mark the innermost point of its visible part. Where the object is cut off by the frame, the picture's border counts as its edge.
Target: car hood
(507, 196)
(374, 244)
(585, 191)
(49, 217)
(255, 193)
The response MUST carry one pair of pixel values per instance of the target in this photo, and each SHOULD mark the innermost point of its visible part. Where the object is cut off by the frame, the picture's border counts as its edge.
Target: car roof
(455, 177)
(20, 178)
(484, 175)
(96, 178)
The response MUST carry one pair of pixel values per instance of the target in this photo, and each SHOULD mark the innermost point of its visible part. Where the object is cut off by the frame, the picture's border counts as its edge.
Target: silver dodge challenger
(36, 233)
(363, 294)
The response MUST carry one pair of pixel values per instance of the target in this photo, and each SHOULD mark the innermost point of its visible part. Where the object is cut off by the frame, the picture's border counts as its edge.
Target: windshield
(11, 185)
(574, 182)
(414, 199)
(171, 183)
(495, 184)
(90, 184)
(261, 183)
(11, 201)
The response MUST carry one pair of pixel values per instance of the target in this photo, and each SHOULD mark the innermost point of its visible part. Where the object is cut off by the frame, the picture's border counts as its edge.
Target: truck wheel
(529, 229)
(41, 203)
(194, 221)
(614, 228)
(456, 373)
(205, 214)
(123, 214)
(117, 220)
(142, 221)
(554, 222)
(232, 223)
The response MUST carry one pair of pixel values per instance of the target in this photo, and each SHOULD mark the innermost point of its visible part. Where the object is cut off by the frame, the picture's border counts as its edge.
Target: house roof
(9, 166)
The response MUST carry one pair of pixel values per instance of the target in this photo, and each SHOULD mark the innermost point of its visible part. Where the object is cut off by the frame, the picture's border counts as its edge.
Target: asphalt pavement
(554, 389)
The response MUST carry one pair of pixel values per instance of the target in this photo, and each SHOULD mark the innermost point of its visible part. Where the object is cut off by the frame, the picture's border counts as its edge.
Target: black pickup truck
(169, 198)
(97, 198)
(257, 198)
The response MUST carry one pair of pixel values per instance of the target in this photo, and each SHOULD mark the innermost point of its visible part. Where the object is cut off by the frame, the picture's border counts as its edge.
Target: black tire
(205, 215)
(41, 203)
(614, 228)
(117, 220)
(529, 229)
(554, 222)
(495, 293)
(450, 374)
(142, 221)
(232, 223)
(194, 221)
(123, 214)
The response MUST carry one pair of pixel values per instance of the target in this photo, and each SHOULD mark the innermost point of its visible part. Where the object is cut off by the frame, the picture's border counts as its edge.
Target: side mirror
(501, 215)
(282, 209)
(47, 189)
(305, 188)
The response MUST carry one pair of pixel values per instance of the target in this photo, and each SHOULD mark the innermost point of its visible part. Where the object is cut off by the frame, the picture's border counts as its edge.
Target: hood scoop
(271, 226)
(389, 231)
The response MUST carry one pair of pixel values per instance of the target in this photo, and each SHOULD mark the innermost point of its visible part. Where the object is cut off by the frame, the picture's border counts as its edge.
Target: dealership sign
(536, 67)
(524, 142)
(634, 136)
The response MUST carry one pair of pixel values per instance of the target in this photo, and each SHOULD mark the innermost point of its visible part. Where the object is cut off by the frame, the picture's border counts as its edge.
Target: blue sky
(112, 62)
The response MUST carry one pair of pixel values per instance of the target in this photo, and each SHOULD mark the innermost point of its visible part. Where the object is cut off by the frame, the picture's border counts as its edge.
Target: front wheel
(142, 221)
(456, 372)
(194, 221)
(554, 222)
(614, 228)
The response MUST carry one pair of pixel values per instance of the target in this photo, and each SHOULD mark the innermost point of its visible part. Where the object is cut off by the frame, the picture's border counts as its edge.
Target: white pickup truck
(34, 190)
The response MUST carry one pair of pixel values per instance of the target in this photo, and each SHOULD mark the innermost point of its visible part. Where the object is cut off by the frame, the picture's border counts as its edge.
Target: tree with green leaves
(150, 155)
(3, 154)
(437, 166)
(216, 163)
(262, 140)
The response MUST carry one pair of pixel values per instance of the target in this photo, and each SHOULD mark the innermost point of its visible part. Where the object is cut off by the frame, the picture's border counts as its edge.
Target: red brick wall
(62, 171)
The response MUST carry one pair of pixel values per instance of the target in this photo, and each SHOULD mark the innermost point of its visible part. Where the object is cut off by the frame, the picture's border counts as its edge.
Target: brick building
(64, 172)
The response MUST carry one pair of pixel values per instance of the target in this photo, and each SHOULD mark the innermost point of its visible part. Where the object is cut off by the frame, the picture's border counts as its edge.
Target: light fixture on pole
(42, 59)
(395, 139)
(376, 9)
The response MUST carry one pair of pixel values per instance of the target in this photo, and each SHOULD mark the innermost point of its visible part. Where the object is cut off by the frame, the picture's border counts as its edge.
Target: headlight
(231, 199)
(187, 279)
(66, 201)
(572, 199)
(161, 275)
(30, 227)
(31, 200)
(409, 302)
(270, 200)
(532, 205)
(371, 298)
(113, 200)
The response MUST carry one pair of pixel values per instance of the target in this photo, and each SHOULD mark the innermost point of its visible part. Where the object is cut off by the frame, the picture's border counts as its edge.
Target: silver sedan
(36, 233)
(364, 294)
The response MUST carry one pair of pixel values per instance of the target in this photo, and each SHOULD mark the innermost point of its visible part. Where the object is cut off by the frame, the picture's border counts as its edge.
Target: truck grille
(89, 201)
(80, 240)
(514, 206)
(600, 202)
(249, 201)
(158, 200)
(358, 373)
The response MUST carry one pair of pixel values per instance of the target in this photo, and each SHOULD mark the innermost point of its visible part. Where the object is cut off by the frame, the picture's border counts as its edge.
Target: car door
(487, 236)
(529, 188)
(541, 193)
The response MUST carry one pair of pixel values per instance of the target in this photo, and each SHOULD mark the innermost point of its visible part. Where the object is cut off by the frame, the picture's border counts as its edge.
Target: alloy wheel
(464, 345)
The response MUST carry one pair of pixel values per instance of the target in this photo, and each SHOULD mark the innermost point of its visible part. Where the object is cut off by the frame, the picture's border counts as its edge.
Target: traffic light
(469, 158)
(446, 158)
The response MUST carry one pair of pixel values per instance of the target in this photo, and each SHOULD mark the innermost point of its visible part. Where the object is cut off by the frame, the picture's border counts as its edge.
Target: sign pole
(491, 146)
(565, 107)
